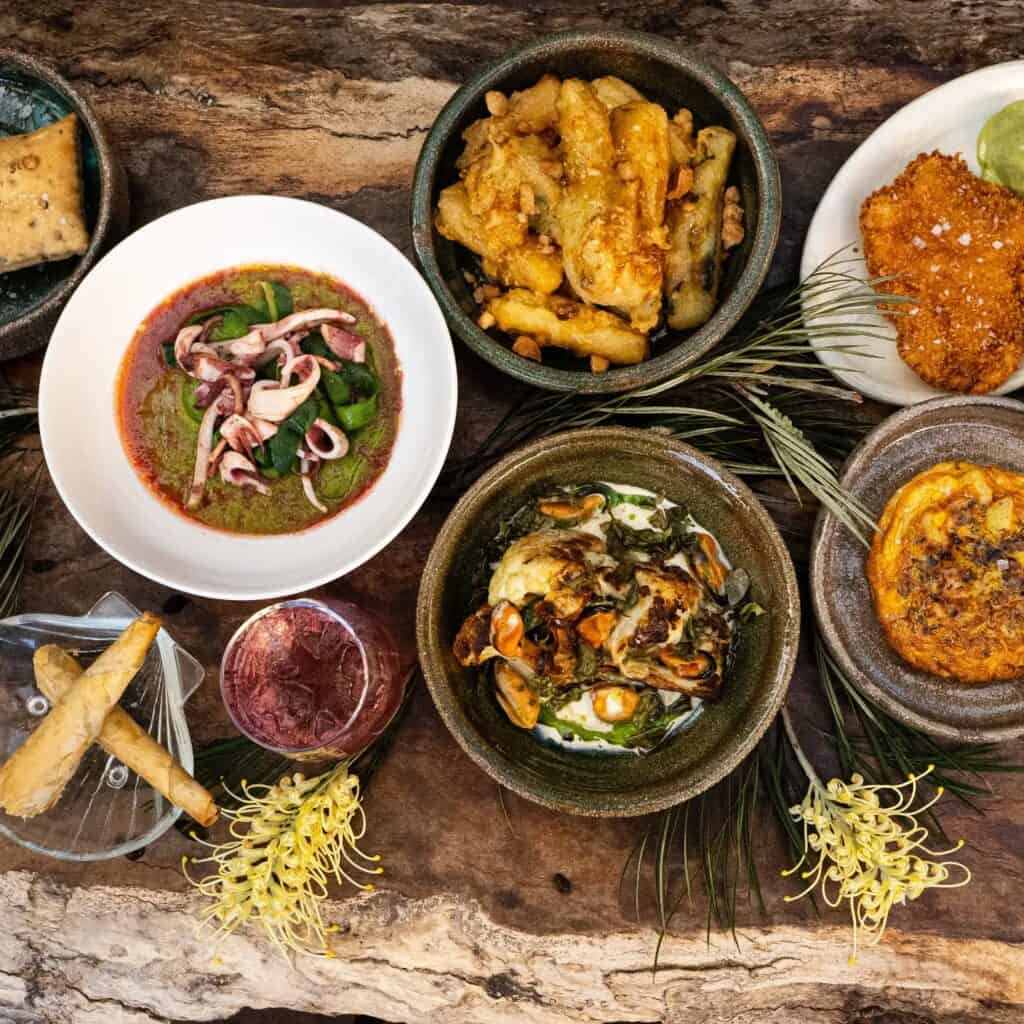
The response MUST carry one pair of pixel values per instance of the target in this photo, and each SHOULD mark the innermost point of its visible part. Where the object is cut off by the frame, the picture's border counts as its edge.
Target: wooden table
(477, 920)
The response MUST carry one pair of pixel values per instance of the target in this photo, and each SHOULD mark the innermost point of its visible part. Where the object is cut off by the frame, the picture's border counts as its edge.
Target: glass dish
(105, 810)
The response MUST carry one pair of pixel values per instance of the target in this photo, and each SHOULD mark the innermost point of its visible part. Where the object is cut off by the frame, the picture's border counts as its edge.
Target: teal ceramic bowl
(722, 734)
(32, 95)
(667, 74)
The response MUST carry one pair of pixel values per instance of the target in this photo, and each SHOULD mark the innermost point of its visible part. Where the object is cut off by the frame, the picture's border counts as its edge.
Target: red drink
(311, 678)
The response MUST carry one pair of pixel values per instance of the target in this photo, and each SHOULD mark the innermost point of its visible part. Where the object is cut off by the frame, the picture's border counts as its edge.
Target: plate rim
(447, 428)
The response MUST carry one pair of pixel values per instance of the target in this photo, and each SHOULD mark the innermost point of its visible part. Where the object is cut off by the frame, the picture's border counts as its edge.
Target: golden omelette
(947, 572)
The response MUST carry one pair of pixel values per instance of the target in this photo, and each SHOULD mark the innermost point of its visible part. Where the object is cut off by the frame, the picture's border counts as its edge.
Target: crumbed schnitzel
(955, 243)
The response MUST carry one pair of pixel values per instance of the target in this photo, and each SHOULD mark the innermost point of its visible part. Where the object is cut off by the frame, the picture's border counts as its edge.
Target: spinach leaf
(335, 387)
(325, 411)
(188, 400)
(168, 347)
(250, 314)
(235, 324)
(291, 433)
(360, 377)
(277, 300)
(313, 344)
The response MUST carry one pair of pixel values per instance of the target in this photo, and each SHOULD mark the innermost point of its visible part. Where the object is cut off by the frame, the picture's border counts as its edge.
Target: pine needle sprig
(758, 408)
(716, 829)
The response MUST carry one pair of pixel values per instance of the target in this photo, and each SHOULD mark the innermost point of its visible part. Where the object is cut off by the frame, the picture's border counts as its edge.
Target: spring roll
(125, 739)
(33, 778)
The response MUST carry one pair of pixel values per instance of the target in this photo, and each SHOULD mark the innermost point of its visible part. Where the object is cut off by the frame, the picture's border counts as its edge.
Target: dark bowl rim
(665, 793)
(59, 294)
(728, 313)
(892, 428)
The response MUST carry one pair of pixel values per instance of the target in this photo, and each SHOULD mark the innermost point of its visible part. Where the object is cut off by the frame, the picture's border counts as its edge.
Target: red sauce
(301, 679)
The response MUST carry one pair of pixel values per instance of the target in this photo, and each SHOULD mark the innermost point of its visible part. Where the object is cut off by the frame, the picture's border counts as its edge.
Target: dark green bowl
(33, 94)
(722, 734)
(666, 74)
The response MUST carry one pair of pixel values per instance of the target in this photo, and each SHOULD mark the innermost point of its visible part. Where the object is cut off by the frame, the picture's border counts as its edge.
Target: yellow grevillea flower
(869, 854)
(287, 841)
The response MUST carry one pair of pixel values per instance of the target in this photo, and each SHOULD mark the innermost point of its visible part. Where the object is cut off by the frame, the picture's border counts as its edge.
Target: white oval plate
(77, 416)
(947, 119)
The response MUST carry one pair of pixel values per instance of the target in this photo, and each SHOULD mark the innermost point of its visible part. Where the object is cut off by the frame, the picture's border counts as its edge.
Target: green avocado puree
(1001, 147)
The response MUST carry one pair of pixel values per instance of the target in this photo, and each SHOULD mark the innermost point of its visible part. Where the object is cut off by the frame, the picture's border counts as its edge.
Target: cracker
(41, 215)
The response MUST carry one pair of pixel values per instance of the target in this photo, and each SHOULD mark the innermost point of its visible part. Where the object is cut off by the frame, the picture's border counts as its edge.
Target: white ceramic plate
(947, 119)
(77, 396)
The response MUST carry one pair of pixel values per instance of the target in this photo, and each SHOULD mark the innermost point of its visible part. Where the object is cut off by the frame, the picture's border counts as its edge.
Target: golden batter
(947, 572)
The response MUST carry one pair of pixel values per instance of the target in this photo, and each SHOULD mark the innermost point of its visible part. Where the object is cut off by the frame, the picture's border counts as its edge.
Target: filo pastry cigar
(33, 778)
(125, 739)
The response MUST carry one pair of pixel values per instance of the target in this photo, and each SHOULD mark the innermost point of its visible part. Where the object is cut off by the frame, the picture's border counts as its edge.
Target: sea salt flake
(997, 244)
(936, 230)
(918, 242)
(965, 238)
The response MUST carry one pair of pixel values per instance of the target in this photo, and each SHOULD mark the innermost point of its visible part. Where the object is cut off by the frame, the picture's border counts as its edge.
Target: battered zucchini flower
(869, 854)
(287, 841)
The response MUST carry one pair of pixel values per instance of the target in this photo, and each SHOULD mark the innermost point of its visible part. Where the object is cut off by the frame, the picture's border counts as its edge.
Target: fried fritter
(956, 244)
(947, 572)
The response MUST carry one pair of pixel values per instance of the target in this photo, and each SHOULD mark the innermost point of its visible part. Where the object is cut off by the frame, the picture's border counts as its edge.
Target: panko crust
(956, 244)
(946, 572)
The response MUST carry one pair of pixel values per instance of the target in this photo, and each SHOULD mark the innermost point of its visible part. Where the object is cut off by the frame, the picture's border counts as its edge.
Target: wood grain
(479, 921)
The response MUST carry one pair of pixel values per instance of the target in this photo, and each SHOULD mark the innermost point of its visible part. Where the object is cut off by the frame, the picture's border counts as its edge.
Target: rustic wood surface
(478, 919)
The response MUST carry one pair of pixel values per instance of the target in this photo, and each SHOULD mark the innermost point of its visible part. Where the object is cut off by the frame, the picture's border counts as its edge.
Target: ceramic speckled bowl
(988, 431)
(33, 94)
(666, 74)
(721, 735)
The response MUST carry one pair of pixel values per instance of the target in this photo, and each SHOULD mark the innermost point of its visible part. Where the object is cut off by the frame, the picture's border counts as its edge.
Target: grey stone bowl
(985, 430)
(722, 734)
(32, 94)
(666, 73)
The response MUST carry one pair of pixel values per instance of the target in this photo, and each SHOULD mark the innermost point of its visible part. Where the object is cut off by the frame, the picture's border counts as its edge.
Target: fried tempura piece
(614, 92)
(533, 109)
(954, 243)
(555, 320)
(693, 269)
(609, 258)
(640, 134)
(530, 264)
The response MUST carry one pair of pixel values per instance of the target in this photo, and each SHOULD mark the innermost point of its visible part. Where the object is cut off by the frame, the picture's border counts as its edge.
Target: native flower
(870, 849)
(287, 841)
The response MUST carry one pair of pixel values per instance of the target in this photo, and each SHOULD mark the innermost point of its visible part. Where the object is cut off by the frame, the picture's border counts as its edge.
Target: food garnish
(1001, 147)
(947, 572)
(608, 614)
(287, 841)
(955, 243)
(590, 210)
(34, 776)
(287, 409)
(870, 849)
(41, 211)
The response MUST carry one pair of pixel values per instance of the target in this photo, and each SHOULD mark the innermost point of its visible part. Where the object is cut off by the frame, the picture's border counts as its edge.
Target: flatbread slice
(41, 215)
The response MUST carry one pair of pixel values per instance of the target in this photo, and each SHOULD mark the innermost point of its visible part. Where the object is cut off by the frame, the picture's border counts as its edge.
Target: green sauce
(1001, 147)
